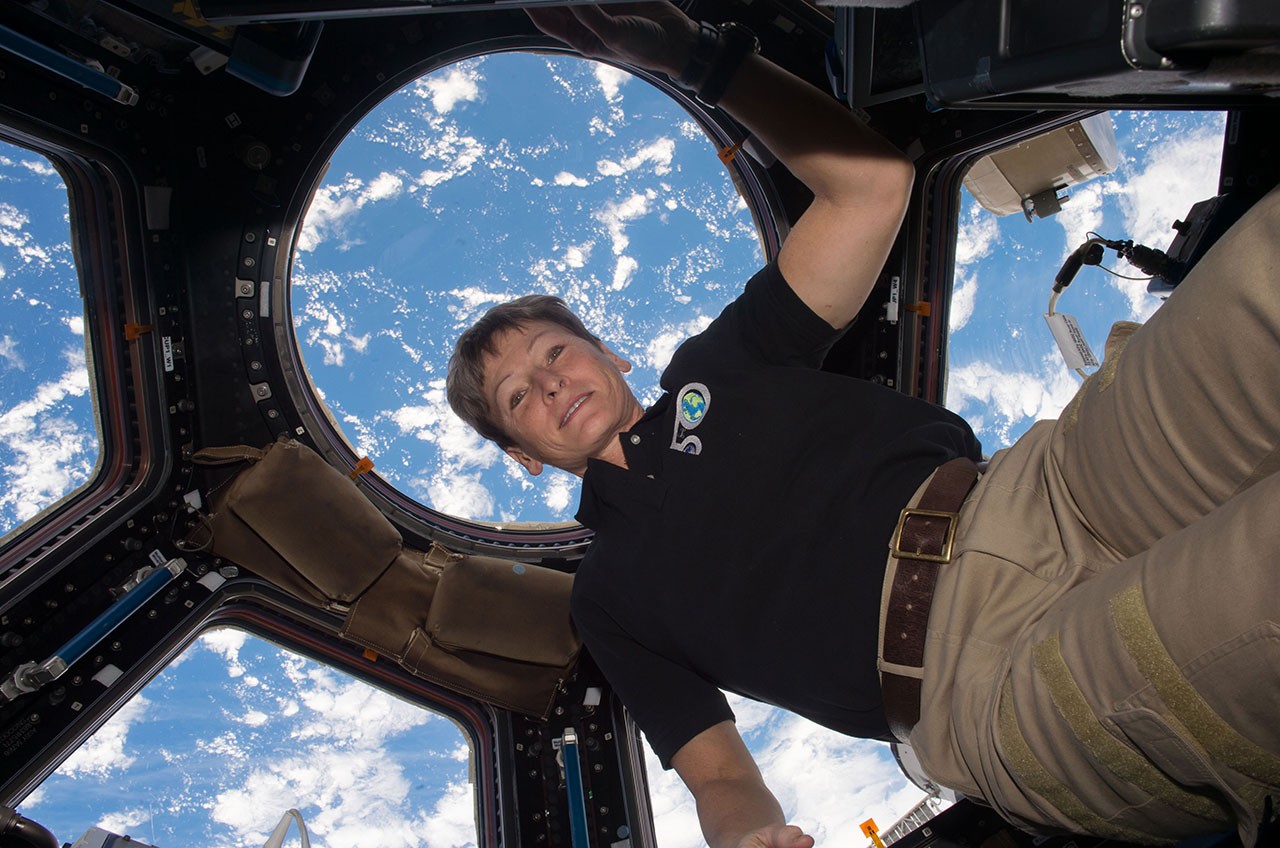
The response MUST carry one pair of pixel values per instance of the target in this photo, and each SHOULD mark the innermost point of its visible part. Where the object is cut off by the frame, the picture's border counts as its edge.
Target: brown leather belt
(921, 543)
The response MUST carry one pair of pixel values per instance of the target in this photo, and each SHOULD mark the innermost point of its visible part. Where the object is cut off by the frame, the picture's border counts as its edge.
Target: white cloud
(658, 153)
(576, 255)
(827, 783)
(662, 346)
(564, 178)
(124, 821)
(1012, 397)
(454, 485)
(51, 454)
(1080, 215)
(963, 300)
(977, 234)
(472, 300)
(611, 80)
(615, 217)
(226, 642)
(558, 491)
(334, 205)
(105, 751)
(1179, 172)
(76, 324)
(458, 494)
(623, 272)
(9, 353)
(457, 85)
(39, 166)
(14, 233)
(341, 776)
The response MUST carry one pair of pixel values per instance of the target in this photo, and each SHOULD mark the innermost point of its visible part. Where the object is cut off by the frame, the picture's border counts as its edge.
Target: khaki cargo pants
(1103, 654)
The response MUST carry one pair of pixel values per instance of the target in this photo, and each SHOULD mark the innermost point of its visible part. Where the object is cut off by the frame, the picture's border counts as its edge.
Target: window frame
(751, 179)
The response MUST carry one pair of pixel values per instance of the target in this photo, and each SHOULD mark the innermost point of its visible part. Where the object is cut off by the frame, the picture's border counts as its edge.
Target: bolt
(559, 710)
(597, 768)
(69, 588)
(250, 237)
(34, 718)
(604, 811)
(272, 413)
(77, 680)
(151, 614)
(1136, 11)
(262, 391)
(533, 772)
(248, 313)
(115, 646)
(255, 365)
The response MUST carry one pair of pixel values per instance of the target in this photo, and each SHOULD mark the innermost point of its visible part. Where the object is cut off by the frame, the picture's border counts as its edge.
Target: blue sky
(483, 181)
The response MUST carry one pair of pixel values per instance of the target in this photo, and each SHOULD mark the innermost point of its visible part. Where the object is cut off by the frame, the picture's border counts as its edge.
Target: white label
(166, 346)
(891, 308)
(158, 558)
(1066, 332)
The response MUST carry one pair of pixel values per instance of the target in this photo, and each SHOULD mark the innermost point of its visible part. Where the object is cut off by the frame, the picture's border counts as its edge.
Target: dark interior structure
(192, 138)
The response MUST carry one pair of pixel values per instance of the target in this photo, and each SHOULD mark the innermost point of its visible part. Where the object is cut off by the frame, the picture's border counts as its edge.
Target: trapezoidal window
(1004, 369)
(236, 731)
(498, 176)
(50, 440)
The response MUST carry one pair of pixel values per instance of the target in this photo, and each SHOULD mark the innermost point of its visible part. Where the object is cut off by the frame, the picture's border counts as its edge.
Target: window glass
(49, 438)
(236, 731)
(826, 782)
(499, 176)
(1005, 371)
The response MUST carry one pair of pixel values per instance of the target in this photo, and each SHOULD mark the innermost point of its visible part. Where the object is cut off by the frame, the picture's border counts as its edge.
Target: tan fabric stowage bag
(490, 628)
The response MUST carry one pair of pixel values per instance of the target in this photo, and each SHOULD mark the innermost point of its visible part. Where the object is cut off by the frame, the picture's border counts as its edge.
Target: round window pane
(503, 175)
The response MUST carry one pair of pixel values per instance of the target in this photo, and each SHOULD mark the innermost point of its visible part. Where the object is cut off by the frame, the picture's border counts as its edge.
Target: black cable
(1123, 276)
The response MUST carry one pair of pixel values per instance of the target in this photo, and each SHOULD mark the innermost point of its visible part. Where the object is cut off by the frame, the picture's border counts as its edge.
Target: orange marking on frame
(363, 466)
(133, 331)
(726, 154)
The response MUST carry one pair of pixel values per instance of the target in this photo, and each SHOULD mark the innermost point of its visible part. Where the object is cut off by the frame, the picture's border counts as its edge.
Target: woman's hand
(654, 36)
(777, 836)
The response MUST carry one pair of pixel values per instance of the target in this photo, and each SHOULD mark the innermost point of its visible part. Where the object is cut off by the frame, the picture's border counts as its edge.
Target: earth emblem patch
(692, 406)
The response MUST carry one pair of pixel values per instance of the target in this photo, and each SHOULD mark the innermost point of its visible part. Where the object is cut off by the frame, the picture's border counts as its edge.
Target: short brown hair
(464, 385)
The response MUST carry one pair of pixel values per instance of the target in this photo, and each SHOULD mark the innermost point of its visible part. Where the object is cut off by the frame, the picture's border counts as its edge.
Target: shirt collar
(610, 489)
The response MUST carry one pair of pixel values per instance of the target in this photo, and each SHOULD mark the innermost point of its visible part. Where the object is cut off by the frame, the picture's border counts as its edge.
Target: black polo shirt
(744, 546)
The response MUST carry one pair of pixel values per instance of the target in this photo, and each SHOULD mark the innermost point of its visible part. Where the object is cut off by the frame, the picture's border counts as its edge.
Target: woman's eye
(555, 351)
(516, 398)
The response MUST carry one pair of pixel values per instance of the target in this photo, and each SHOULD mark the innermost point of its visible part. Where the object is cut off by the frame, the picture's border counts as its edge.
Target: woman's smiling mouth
(572, 409)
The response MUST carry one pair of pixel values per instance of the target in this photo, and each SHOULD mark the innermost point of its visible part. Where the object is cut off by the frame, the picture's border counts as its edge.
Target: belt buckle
(896, 550)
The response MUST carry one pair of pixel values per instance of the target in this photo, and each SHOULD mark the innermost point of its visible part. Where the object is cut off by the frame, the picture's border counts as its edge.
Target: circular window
(502, 175)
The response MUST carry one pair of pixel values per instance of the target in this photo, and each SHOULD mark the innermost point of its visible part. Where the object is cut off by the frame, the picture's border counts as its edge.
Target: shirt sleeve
(670, 703)
(768, 324)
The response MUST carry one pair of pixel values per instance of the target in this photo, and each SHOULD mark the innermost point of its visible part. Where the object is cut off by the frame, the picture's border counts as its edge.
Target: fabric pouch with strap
(493, 629)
